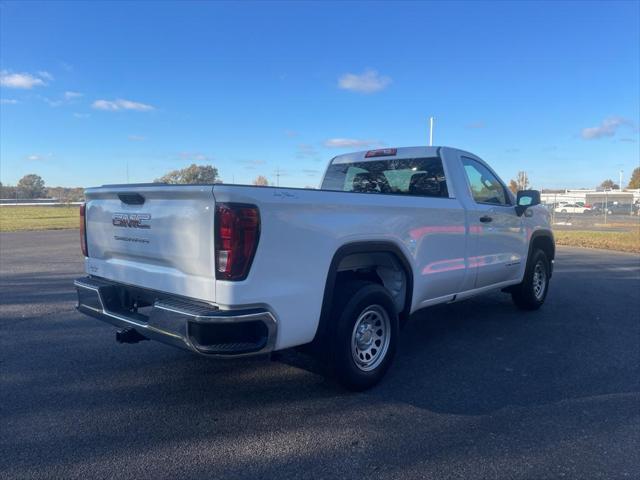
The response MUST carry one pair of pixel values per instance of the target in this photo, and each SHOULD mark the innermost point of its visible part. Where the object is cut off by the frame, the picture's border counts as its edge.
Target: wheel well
(381, 262)
(545, 243)
(380, 267)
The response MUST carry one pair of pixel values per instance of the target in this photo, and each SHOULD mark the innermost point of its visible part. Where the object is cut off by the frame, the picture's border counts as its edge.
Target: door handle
(485, 219)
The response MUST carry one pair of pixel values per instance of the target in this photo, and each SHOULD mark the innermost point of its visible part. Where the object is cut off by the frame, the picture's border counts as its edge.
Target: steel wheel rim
(539, 280)
(370, 338)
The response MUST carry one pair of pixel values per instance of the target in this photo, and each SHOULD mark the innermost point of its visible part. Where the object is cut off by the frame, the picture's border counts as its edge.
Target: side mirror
(525, 199)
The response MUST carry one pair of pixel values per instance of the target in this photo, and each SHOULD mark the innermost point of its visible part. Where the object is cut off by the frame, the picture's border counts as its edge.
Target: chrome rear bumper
(186, 324)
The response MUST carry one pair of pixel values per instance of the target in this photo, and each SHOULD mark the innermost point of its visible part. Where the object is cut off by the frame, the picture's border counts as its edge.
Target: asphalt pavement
(478, 390)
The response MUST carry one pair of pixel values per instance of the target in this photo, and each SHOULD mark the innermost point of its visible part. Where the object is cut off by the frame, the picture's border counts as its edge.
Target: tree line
(206, 174)
(33, 186)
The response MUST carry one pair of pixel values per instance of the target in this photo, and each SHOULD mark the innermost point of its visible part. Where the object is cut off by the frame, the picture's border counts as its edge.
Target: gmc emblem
(131, 220)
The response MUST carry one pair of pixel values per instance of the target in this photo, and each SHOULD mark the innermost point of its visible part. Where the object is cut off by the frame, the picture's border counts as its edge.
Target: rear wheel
(532, 292)
(364, 331)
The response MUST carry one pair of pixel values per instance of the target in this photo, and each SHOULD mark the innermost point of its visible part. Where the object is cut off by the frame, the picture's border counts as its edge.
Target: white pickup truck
(232, 270)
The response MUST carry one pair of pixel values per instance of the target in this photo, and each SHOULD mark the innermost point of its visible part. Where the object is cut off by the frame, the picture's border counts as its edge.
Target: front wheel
(363, 336)
(532, 292)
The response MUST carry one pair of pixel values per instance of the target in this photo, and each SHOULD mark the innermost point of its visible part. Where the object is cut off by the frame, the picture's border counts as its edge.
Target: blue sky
(87, 88)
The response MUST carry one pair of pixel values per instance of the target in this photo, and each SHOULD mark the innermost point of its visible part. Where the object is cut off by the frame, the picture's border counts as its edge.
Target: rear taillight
(237, 233)
(83, 230)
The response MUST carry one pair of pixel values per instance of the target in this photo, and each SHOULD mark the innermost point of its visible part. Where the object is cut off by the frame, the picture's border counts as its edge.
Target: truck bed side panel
(302, 229)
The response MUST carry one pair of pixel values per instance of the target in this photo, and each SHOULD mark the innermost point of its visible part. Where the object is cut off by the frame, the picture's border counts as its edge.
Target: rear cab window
(423, 177)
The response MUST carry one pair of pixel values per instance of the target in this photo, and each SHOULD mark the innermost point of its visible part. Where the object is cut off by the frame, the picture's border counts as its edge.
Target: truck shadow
(483, 355)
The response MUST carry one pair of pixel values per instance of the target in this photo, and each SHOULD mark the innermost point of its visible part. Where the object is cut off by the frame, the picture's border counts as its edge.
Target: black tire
(364, 303)
(531, 294)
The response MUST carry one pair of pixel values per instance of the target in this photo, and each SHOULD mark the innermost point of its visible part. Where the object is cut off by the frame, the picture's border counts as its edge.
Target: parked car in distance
(614, 208)
(572, 208)
(232, 270)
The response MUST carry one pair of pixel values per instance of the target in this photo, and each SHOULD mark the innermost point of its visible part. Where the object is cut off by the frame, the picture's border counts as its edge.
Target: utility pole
(620, 184)
(430, 131)
(127, 171)
(277, 176)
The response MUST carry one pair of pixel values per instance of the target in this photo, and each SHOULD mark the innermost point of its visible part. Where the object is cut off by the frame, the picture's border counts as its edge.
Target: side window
(485, 187)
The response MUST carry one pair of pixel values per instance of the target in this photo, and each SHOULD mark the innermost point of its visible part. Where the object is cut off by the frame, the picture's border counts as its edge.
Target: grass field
(13, 219)
(628, 241)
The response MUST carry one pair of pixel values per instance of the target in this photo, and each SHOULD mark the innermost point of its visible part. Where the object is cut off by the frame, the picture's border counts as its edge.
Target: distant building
(591, 196)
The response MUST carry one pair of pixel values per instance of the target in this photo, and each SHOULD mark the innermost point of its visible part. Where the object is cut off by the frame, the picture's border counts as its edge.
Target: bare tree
(609, 184)
(522, 180)
(261, 181)
(520, 183)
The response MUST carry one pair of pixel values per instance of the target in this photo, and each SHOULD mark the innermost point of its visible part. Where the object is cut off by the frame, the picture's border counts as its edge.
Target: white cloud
(195, 157)
(36, 157)
(607, 128)
(52, 103)
(253, 164)
(46, 75)
(368, 82)
(136, 138)
(71, 95)
(65, 98)
(121, 104)
(350, 143)
(22, 80)
(8, 101)
(81, 115)
(306, 150)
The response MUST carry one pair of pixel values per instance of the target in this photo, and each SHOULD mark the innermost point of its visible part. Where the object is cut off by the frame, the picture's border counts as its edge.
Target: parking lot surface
(478, 390)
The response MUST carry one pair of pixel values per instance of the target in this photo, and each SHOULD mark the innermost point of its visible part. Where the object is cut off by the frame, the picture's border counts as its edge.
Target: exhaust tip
(129, 335)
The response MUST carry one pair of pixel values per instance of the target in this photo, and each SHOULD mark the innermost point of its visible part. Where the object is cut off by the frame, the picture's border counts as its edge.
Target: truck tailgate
(159, 237)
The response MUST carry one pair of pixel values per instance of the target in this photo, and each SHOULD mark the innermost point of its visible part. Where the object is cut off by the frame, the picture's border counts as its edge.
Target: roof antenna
(430, 131)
